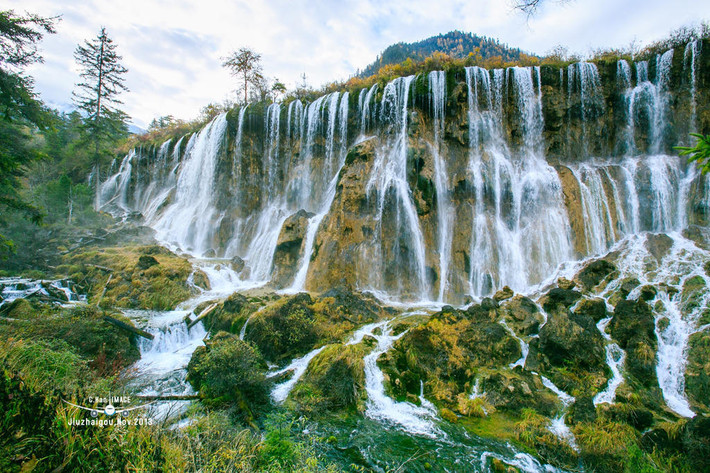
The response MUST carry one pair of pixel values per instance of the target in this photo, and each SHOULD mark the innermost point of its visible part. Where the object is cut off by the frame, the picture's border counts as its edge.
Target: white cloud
(173, 49)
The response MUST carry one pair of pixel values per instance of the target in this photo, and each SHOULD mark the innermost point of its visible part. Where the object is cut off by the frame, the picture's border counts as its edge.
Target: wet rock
(517, 390)
(658, 245)
(595, 308)
(522, 315)
(625, 288)
(211, 253)
(594, 273)
(237, 264)
(335, 380)
(569, 339)
(559, 297)
(289, 248)
(648, 292)
(503, 294)
(146, 261)
(564, 283)
(699, 235)
(633, 328)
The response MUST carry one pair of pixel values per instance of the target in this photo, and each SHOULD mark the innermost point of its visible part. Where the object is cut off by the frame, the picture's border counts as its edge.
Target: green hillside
(455, 44)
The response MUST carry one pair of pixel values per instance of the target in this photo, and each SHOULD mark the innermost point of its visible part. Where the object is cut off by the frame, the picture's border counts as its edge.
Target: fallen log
(110, 276)
(128, 327)
(202, 315)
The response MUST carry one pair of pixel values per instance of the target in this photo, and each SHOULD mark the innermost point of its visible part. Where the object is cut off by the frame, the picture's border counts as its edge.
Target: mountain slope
(455, 43)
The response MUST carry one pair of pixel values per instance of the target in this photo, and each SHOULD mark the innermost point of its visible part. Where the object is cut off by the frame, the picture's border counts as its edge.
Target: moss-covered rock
(295, 325)
(594, 273)
(633, 327)
(594, 308)
(522, 315)
(227, 370)
(335, 380)
(108, 348)
(697, 374)
(571, 344)
(446, 352)
(135, 277)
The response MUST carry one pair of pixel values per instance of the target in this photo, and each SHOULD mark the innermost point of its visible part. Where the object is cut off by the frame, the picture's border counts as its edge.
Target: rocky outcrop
(289, 248)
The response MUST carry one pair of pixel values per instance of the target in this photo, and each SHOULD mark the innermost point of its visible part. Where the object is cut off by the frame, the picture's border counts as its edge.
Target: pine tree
(97, 97)
(21, 113)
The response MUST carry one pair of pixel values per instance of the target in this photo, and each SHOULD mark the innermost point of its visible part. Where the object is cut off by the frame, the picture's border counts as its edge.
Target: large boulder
(594, 273)
(289, 248)
(522, 315)
(572, 340)
(633, 327)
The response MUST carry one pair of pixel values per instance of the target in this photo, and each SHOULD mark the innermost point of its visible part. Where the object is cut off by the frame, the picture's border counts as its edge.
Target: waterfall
(271, 157)
(520, 228)
(434, 222)
(647, 104)
(583, 79)
(365, 114)
(389, 181)
(281, 391)
(690, 61)
(437, 91)
(413, 419)
(188, 223)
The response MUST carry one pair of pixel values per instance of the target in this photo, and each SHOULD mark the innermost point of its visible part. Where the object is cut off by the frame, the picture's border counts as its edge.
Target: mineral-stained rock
(289, 248)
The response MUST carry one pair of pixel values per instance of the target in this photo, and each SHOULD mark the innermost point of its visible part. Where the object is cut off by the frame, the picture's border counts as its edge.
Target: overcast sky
(173, 48)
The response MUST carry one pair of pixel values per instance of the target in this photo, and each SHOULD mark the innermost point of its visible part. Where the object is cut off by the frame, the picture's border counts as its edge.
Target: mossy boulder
(335, 380)
(558, 297)
(522, 315)
(594, 308)
(633, 327)
(594, 273)
(295, 325)
(658, 245)
(134, 277)
(572, 342)
(516, 390)
(227, 370)
(446, 352)
(230, 315)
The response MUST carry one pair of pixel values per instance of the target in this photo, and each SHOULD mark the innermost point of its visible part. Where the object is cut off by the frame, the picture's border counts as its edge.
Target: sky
(173, 49)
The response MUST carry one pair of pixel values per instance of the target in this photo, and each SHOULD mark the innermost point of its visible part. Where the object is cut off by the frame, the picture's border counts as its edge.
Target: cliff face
(435, 187)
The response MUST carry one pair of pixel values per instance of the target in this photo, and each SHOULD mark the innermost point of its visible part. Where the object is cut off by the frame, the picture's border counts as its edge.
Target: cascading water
(188, 222)
(524, 234)
(437, 91)
(388, 181)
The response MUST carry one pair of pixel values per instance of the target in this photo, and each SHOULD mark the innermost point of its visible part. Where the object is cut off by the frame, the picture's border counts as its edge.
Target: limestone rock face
(289, 248)
(344, 232)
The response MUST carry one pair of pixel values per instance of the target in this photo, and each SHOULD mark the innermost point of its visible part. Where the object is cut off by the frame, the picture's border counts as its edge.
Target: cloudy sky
(173, 48)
